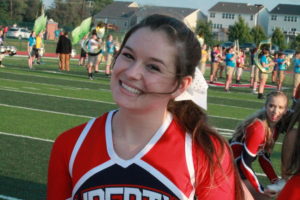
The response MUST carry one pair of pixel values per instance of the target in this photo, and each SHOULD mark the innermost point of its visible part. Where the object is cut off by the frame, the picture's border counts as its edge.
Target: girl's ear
(185, 83)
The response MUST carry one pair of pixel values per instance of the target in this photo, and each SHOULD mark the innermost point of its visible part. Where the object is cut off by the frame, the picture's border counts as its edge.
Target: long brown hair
(191, 117)
(293, 167)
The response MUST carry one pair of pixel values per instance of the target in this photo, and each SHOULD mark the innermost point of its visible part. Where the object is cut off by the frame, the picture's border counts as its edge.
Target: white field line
(8, 197)
(47, 111)
(16, 90)
(27, 137)
(50, 95)
(101, 89)
(60, 86)
(216, 104)
(53, 72)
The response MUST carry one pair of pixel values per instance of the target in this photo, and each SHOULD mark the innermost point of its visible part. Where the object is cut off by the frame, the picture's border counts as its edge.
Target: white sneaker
(254, 92)
(277, 186)
(2, 66)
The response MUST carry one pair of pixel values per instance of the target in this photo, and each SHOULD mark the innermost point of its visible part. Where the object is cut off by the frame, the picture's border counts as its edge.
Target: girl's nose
(135, 70)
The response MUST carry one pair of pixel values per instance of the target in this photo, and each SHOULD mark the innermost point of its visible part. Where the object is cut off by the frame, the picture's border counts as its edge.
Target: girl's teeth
(130, 89)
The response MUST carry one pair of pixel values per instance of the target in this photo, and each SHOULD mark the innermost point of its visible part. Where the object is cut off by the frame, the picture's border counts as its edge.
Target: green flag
(80, 31)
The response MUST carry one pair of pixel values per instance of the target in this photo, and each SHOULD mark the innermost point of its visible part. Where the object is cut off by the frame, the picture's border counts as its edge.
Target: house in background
(119, 13)
(124, 15)
(225, 14)
(188, 15)
(287, 18)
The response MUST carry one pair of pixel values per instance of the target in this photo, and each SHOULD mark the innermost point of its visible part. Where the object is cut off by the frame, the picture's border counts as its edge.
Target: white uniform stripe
(78, 144)
(163, 179)
(252, 173)
(248, 151)
(189, 160)
(89, 174)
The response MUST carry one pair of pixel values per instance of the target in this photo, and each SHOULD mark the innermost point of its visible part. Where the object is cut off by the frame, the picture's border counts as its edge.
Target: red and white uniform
(84, 165)
(249, 148)
(291, 189)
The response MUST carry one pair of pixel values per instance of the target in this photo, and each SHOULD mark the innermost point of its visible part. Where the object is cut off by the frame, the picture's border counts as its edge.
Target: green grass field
(37, 105)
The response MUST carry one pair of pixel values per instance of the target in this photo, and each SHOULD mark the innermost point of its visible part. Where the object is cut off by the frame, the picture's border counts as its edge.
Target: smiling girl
(152, 147)
(255, 138)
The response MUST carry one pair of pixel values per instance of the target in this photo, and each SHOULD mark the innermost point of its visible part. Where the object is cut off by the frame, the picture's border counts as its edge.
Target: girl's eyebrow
(151, 58)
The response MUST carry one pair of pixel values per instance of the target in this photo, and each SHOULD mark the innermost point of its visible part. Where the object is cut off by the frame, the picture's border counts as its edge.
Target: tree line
(68, 13)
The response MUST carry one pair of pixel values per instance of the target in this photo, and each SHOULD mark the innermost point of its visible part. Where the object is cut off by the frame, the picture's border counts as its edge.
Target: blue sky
(203, 5)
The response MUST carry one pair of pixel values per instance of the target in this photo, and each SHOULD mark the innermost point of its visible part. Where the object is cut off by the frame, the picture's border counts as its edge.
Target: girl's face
(144, 68)
(276, 108)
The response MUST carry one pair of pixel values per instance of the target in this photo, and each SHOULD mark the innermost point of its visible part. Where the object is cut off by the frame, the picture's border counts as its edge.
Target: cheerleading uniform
(84, 165)
(250, 147)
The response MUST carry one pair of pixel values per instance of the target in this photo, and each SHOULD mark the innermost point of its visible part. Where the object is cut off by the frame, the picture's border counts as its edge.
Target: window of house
(212, 15)
(251, 17)
(293, 29)
(125, 24)
(232, 16)
(274, 17)
(223, 15)
(285, 18)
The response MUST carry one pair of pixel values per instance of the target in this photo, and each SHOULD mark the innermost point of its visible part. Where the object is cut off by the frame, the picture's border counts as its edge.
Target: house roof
(118, 9)
(287, 9)
(230, 7)
(179, 13)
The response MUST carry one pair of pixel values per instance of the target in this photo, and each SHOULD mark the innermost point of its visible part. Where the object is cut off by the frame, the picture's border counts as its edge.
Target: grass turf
(44, 102)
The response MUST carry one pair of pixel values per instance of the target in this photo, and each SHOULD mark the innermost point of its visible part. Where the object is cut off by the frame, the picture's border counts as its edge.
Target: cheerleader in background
(255, 138)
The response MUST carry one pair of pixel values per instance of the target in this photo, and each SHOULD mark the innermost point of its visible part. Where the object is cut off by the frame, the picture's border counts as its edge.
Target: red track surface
(50, 55)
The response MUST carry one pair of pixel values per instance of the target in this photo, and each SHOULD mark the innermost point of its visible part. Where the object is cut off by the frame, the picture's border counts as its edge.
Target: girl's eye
(128, 55)
(153, 68)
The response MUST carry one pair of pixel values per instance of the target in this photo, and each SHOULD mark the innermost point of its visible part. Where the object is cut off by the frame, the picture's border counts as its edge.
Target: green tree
(278, 38)
(4, 12)
(258, 34)
(204, 28)
(295, 44)
(239, 31)
(62, 11)
(32, 10)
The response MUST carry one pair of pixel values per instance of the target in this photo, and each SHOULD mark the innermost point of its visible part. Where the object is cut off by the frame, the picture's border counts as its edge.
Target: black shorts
(83, 53)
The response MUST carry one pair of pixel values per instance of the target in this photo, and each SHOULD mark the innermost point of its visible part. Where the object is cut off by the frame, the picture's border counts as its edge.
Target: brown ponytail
(194, 120)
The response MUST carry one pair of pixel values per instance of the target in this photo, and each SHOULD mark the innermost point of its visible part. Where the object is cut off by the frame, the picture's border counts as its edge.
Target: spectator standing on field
(282, 67)
(64, 49)
(296, 73)
(204, 58)
(31, 49)
(93, 52)
(39, 47)
(110, 51)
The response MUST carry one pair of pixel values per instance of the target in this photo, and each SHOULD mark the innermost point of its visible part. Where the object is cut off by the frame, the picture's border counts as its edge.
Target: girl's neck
(135, 124)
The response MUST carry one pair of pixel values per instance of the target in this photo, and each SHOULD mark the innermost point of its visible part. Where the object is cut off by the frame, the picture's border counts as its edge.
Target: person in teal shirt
(296, 72)
(282, 67)
(230, 60)
(266, 63)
